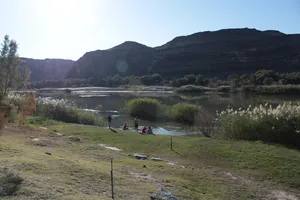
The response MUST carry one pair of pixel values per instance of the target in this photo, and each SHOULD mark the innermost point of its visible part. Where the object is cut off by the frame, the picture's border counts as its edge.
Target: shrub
(191, 89)
(65, 111)
(5, 110)
(10, 182)
(184, 112)
(278, 89)
(205, 123)
(275, 125)
(224, 89)
(144, 108)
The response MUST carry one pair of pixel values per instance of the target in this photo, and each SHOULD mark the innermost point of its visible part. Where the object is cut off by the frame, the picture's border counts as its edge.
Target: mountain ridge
(210, 53)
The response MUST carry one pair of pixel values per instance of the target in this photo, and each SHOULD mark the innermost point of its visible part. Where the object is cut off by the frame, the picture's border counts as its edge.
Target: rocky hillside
(217, 53)
(47, 68)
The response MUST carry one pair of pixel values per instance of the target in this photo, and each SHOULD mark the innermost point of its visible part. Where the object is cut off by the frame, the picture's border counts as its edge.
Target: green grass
(80, 170)
(251, 157)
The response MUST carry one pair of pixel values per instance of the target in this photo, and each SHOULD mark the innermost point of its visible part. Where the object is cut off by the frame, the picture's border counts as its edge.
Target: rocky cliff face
(218, 53)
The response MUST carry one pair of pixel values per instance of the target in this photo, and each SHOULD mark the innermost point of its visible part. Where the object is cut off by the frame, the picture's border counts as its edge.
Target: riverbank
(78, 165)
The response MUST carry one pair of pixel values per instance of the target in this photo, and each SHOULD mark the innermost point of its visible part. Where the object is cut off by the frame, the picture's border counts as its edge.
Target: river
(113, 101)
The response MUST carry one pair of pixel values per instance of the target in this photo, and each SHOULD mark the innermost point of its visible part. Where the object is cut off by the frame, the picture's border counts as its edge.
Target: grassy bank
(80, 170)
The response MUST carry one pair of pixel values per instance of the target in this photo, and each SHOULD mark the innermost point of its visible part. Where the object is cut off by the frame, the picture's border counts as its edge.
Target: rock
(31, 137)
(163, 194)
(140, 157)
(35, 139)
(74, 139)
(48, 153)
(156, 159)
(183, 167)
(59, 134)
(170, 163)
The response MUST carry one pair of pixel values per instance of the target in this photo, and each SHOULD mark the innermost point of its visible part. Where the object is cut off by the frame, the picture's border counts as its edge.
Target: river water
(113, 101)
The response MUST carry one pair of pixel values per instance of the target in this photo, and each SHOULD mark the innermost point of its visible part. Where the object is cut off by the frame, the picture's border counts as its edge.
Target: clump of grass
(62, 110)
(10, 182)
(144, 108)
(191, 89)
(184, 112)
(275, 125)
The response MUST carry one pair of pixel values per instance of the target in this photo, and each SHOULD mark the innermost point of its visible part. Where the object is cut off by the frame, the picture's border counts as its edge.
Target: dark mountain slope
(126, 59)
(217, 53)
(47, 68)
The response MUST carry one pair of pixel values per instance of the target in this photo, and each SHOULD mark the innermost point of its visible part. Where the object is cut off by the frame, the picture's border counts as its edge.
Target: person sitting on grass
(149, 131)
(144, 129)
(125, 127)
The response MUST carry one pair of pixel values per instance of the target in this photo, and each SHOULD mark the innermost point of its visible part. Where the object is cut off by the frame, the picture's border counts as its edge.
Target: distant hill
(47, 68)
(211, 53)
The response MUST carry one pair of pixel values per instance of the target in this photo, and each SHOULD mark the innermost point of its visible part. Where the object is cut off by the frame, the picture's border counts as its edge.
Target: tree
(199, 80)
(190, 78)
(11, 77)
(157, 78)
(268, 81)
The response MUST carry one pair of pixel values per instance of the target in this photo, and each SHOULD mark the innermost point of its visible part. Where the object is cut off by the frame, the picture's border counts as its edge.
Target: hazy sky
(69, 28)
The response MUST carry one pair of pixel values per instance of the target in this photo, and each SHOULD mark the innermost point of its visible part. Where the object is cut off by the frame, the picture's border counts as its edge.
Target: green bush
(191, 89)
(10, 182)
(278, 89)
(183, 112)
(61, 110)
(275, 125)
(144, 108)
(224, 89)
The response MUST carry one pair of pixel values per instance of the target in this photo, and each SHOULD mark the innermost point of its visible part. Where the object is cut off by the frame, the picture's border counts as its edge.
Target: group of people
(136, 125)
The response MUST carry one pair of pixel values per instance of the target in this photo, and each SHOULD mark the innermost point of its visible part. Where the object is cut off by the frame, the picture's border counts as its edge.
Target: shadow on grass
(177, 152)
(113, 130)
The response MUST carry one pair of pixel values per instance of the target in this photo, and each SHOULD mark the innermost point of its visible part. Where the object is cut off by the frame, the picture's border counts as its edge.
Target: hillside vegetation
(217, 53)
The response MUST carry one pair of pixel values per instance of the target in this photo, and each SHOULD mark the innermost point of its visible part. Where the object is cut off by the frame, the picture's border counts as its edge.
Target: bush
(275, 125)
(191, 89)
(278, 89)
(224, 89)
(183, 112)
(144, 108)
(5, 110)
(10, 182)
(205, 123)
(62, 110)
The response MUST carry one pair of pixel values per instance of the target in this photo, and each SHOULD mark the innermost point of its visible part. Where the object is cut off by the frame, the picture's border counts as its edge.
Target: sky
(69, 28)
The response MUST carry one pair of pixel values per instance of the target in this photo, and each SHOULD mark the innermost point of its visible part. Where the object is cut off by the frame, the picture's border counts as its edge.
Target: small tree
(10, 74)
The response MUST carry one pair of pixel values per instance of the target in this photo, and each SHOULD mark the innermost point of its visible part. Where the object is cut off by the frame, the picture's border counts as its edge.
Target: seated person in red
(125, 127)
(144, 129)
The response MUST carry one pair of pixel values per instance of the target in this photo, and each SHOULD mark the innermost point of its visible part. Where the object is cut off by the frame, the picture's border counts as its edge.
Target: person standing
(109, 118)
(136, 124)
